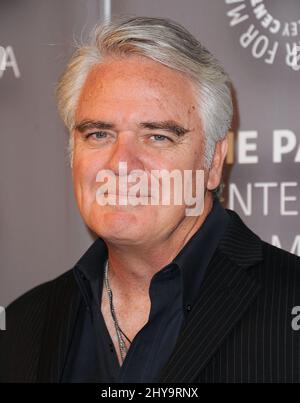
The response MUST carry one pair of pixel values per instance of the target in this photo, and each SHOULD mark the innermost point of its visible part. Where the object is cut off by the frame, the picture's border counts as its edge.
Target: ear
(215, 171)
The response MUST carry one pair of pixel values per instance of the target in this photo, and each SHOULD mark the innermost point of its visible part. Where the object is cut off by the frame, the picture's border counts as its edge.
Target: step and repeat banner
(257, 41)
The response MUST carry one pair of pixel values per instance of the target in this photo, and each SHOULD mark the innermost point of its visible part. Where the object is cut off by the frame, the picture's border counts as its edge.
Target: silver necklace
(122, 346)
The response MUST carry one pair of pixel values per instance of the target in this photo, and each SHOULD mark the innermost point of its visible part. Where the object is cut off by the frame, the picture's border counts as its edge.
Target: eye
(97, 135)
(161, 137)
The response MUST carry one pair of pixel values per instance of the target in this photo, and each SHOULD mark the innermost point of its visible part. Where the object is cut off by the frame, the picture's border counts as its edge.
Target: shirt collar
(192, 259)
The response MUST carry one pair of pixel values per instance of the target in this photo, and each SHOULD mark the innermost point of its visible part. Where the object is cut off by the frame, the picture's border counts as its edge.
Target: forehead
(137, 83)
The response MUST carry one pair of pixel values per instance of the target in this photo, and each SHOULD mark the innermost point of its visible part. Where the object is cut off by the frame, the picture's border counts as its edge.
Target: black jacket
(240, 329)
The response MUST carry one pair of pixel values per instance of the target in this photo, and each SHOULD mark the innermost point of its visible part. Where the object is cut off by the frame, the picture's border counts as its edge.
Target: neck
(132, 268)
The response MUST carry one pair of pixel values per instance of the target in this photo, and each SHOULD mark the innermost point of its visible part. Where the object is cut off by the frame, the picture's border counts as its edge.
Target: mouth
(124, 194)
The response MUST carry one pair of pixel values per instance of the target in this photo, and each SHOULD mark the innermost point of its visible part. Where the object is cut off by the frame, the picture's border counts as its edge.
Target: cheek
(85, 170)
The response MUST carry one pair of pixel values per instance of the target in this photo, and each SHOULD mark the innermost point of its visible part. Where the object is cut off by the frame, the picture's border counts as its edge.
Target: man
(161, 295)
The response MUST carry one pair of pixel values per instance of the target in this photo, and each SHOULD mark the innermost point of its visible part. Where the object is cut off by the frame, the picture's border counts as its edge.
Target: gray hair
(166, 42)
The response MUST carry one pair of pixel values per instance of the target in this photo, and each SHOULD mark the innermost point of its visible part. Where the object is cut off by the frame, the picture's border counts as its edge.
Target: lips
(122, 194)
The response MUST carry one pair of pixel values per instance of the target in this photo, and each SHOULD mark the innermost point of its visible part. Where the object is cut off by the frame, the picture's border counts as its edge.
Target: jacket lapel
(60, 320)
(228, 290)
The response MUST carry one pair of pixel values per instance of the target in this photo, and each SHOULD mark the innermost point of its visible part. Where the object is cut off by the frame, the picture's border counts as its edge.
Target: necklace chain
(122, 346)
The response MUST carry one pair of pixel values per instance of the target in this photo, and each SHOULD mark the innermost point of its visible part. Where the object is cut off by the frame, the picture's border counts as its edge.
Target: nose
(125, 149)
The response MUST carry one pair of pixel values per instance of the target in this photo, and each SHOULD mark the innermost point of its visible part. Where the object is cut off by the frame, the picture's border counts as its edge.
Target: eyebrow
(166, 125)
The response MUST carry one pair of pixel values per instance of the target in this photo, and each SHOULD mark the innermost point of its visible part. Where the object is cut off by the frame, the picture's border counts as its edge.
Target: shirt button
(188, 307)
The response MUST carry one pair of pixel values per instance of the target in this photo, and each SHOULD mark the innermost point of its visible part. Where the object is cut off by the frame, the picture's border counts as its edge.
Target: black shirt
(173, 292)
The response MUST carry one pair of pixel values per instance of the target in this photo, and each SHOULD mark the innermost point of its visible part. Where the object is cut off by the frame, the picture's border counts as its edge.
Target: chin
(117, 222)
